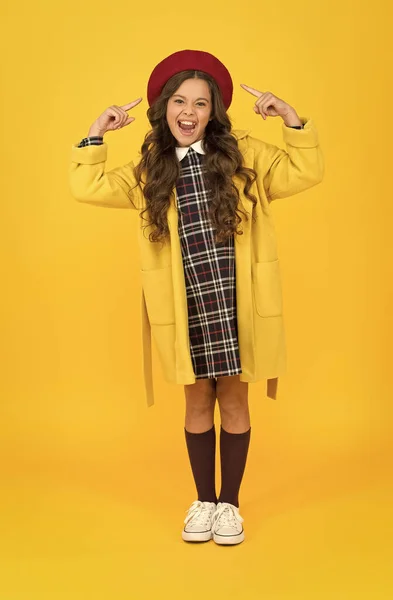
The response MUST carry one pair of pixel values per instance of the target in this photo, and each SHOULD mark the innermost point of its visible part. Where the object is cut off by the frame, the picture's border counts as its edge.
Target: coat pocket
(267, 288)
(158, 290)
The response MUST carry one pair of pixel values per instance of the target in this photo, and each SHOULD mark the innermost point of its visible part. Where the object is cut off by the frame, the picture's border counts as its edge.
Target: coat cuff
(89, 155)
(301, 138)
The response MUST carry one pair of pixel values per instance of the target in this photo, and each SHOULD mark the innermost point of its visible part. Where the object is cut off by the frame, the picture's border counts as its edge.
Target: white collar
(181, 152)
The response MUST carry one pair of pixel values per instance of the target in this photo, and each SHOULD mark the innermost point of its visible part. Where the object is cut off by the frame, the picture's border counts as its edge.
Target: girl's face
(190, 103)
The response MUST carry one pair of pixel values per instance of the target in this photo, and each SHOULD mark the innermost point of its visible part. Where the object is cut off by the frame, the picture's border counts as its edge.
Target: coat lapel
(184, 367)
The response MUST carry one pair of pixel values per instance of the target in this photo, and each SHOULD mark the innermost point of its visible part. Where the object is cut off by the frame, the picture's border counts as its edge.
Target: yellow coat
(281, 173)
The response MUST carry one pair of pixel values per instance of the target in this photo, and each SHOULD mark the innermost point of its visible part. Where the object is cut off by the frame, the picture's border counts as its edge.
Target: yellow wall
(80, 449)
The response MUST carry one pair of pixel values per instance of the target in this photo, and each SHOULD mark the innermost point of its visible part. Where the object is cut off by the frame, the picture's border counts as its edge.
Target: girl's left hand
(269, 105)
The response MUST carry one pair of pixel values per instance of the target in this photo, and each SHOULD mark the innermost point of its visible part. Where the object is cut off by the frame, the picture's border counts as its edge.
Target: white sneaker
(198, 522)
(227, 524)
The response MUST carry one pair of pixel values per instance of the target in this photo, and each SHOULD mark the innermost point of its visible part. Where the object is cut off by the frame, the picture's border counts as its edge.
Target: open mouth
(186, 127)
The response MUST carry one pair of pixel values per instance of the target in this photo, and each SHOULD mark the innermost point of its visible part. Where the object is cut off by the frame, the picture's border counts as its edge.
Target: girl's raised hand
(114, 117)
(268, 105)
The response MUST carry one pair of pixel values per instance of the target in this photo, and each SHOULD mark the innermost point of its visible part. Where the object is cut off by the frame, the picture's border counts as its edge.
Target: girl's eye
(180, 100)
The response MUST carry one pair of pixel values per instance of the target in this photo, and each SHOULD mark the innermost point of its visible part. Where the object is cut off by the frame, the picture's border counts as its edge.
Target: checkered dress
(210, 277)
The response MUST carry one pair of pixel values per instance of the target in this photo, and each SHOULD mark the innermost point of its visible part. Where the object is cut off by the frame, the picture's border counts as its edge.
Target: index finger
(131, 104)
(251, 90)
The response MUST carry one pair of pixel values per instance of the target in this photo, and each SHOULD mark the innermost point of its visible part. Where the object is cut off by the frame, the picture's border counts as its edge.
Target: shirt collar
(181, 152)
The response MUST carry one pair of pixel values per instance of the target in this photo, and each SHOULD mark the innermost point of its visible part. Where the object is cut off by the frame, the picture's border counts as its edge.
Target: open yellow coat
(281, 173)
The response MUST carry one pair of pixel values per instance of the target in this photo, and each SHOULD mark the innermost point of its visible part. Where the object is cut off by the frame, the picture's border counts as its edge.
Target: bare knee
(232, 396)
(200, 404)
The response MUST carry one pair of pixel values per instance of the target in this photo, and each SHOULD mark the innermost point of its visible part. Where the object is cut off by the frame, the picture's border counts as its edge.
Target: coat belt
(147, 357)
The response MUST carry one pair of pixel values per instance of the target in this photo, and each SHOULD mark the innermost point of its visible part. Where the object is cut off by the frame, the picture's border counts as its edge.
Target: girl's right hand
(114, 117)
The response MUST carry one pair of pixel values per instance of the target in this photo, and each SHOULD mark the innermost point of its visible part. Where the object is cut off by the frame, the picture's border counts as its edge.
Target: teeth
(187, 122)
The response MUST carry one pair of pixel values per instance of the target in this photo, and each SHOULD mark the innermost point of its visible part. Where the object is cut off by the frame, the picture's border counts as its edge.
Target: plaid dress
(210, 277)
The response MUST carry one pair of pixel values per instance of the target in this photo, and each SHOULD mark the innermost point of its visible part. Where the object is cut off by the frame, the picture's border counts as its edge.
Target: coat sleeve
(89, 182)
(287, 172)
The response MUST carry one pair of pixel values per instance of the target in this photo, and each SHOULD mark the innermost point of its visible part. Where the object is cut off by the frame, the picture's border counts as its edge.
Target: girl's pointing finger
(131, 104)
(251, 90)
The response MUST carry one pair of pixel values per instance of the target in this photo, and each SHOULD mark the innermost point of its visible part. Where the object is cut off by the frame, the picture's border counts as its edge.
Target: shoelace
(226, 515)
(200, 512)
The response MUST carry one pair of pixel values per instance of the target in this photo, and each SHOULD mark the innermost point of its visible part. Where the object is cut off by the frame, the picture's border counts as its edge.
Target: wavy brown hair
(221, 161)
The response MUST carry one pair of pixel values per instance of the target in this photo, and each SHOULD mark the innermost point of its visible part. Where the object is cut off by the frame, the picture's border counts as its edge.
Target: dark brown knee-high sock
(202, 454)
(233, 450)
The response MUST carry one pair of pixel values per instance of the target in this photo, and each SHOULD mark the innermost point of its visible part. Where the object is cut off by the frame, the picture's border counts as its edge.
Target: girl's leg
(200, 405)
(232, 395)
(200, 436)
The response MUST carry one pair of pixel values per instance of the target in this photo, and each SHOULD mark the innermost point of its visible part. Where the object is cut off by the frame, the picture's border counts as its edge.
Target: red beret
(183, 61)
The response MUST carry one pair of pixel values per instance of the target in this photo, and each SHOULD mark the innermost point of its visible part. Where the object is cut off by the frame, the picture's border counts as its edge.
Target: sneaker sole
(229, 540)
(197, 536)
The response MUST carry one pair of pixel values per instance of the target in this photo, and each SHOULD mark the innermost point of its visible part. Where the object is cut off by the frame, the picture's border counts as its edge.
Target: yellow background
(94, 485)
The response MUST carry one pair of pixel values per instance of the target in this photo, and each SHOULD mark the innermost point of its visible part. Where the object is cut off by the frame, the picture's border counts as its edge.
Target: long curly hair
(221, 161)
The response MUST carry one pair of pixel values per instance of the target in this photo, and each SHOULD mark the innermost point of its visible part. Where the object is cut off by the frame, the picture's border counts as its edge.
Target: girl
(211, 290)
